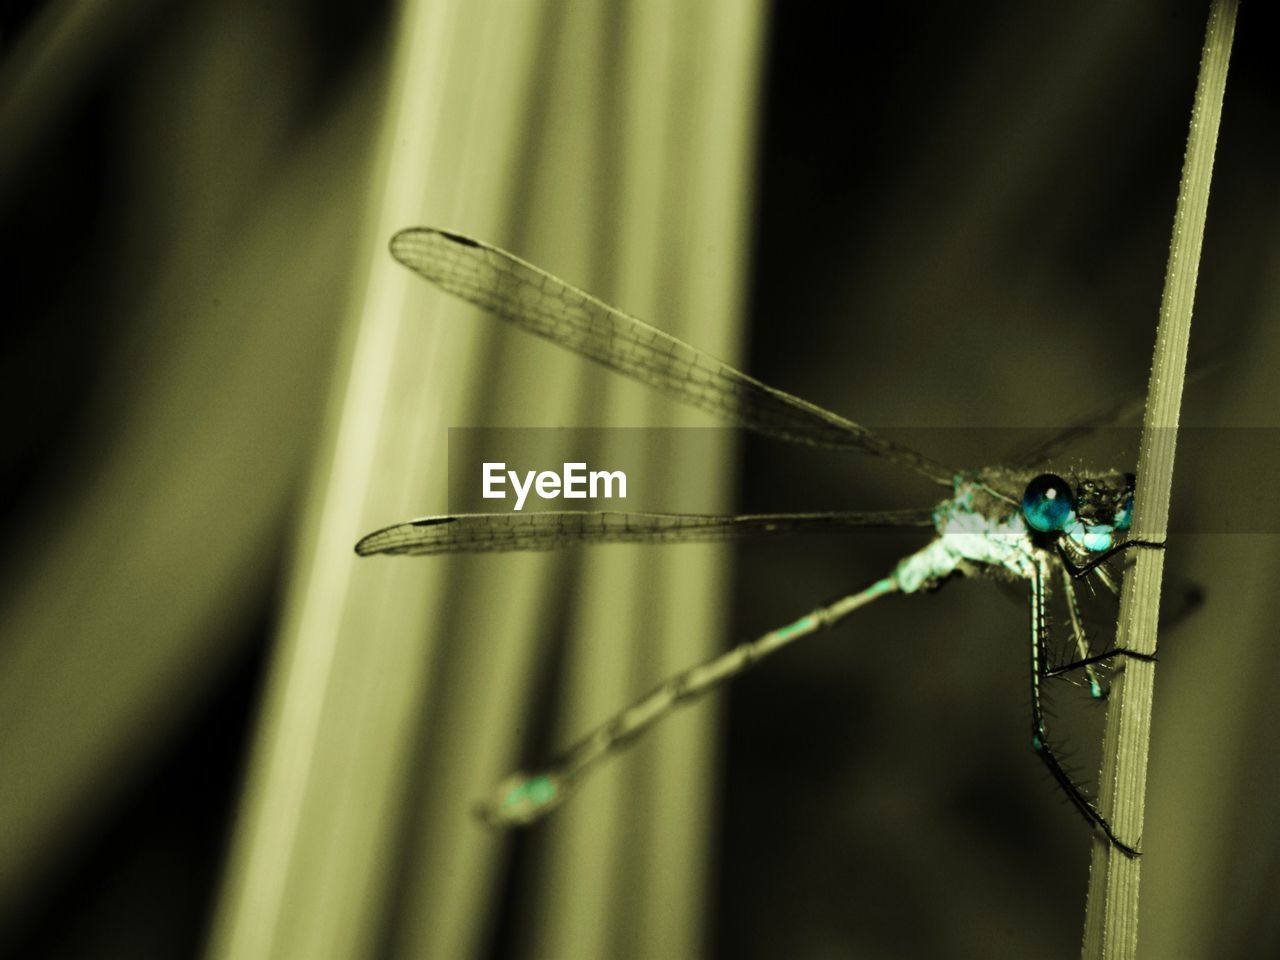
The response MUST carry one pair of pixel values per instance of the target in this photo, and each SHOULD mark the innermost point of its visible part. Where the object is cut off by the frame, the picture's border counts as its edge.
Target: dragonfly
(1009, 522)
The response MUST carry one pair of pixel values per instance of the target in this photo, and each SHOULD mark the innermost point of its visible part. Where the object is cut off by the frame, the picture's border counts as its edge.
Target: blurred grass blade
(611, 146)
(135, 581)
(54, 66)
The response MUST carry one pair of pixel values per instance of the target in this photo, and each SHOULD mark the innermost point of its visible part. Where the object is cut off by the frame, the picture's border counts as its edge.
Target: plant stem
(1111, 919)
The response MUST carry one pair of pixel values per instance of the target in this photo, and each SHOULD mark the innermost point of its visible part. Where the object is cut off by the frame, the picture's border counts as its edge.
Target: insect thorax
(979, 531)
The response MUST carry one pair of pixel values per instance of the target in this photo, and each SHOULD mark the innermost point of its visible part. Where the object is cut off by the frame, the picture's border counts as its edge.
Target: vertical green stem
(1111, 921)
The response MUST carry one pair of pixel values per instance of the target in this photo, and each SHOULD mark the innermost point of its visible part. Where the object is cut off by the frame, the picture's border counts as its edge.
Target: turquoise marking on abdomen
(537, 791)
(803, 625)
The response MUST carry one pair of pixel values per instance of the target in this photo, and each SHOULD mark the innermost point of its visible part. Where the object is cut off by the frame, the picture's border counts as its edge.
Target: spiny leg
(1078, 571)
(1101, 657)
(1107, 580)
(1039, 733)
(1073, 572)
(524, 798)
(1096, 690)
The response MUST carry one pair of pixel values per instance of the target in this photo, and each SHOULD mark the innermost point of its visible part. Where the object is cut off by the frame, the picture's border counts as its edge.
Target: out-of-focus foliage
(217, 727)
(181, 195)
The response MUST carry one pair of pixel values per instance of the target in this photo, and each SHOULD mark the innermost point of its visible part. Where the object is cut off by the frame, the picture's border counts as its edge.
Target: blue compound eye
(1047, 504)
(1124, 515)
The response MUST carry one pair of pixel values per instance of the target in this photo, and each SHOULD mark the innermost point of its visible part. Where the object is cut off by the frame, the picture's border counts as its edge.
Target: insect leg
(1079, 570)
(1096, 688)
(1039, 734)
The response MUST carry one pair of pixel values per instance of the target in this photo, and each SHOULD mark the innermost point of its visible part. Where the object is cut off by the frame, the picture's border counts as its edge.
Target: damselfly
(1010, 523)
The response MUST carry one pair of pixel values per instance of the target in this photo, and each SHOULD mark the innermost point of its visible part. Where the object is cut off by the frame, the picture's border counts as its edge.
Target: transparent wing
(535, 301)
(1043, 451)
(496, 532)
(1121, 411)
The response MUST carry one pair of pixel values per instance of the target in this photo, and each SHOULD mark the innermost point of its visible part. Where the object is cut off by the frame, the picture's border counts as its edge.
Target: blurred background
(223, 735)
